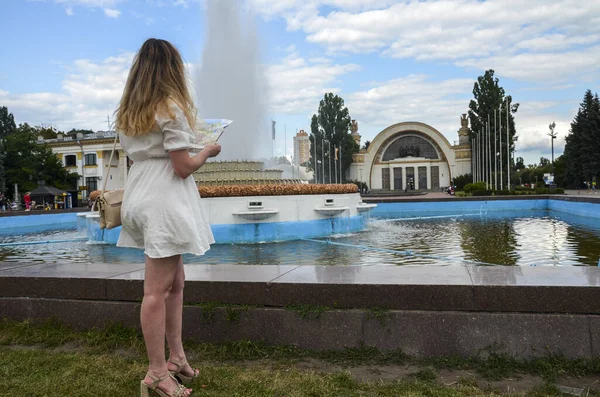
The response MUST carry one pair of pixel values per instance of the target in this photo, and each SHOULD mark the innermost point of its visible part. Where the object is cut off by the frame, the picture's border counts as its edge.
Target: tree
(331, 123)
(282, 160)
(7, 127)
(73, 132)
(560, 169)
(582, 149)
(460, 181)
(366, 145)
(7, 123)
(544, 162)
(47, 132)
(27, 162)
(520, 163)
(2, 174)
(489, 96)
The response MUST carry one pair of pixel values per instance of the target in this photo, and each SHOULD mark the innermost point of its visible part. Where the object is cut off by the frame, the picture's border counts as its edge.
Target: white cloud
(537, 34)
(90, 92)
(544, 67)
(90, 3)
(112, 13)
(532, 122)
(296, 84)
(411, 98)
(108, 6)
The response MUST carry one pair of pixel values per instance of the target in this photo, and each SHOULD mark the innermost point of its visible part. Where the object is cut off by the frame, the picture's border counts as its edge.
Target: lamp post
(323, 140)
(315, 159)
(552, 136)
(508, 144)
(329, 155)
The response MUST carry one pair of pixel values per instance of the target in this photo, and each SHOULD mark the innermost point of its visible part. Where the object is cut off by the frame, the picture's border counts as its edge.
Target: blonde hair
(157, 76)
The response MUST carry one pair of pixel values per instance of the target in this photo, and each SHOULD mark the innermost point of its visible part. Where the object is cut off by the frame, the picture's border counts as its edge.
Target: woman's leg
(160, 274)
(174, 321)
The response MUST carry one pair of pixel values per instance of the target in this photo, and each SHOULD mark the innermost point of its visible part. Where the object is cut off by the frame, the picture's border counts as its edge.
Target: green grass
(425, 375)
(49, 359)
(48, 373)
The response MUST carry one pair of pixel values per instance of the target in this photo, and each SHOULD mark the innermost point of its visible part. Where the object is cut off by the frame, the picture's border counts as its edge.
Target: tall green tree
(582, 148)
(332, 124)
(489, 97)
(520, 163)
(28, 163)
(2, 173)
(7, 122)
(7, 127)
(560, 170)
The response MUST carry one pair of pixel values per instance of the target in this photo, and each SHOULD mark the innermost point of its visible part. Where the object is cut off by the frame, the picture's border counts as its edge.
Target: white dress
(161, 212)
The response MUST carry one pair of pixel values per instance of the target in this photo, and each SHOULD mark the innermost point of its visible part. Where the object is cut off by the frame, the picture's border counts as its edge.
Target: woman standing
(154, 120)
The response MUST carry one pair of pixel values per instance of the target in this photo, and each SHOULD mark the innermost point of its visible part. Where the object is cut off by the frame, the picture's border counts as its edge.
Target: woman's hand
(212, 150)
(184, 165)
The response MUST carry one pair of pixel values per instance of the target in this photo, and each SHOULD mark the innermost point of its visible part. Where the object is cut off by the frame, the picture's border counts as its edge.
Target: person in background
(27, 198)
(2, 203)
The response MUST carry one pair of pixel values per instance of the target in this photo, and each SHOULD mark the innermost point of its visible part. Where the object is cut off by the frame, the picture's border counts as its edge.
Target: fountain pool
(540, 232)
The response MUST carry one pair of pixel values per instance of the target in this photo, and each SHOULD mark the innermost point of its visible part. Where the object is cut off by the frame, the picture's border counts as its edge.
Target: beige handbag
(109, 203)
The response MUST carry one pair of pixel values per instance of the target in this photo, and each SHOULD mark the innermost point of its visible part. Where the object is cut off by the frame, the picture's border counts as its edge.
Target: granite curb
(417, 333)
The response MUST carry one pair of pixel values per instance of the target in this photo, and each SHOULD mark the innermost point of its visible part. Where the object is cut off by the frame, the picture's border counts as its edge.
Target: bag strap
(109, 164)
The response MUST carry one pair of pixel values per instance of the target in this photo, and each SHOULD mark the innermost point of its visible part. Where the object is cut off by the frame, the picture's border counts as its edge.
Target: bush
(482, 192)
(503, 193)
(461, 181)
(362, 186)
(471, 187)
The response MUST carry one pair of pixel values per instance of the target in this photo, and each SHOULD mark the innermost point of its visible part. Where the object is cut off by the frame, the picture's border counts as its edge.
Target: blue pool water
(522, 233)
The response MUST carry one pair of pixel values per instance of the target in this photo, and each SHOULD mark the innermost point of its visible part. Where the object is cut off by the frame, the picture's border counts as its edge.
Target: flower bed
(275, 190)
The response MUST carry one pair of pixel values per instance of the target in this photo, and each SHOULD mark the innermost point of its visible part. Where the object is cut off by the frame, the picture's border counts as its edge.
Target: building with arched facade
(412, 156)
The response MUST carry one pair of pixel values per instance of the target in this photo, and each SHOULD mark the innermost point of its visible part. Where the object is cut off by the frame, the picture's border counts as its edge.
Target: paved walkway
(442, 195)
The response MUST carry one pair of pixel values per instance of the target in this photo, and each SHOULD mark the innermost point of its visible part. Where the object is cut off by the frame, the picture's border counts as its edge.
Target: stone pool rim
(425, 311)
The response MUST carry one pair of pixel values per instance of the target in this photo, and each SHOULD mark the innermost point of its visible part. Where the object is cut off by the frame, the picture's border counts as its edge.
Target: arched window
(410, 146)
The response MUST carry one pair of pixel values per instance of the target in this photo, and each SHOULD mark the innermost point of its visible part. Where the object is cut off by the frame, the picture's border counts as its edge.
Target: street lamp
(552, 136)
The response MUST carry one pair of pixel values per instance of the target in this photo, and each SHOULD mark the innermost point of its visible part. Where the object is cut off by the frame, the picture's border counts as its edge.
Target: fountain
(230, 82)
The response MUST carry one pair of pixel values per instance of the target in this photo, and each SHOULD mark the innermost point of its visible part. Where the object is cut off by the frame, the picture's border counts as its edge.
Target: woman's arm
(184, 165)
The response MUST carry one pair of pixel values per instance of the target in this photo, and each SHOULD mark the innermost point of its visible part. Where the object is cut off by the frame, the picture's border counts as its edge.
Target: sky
(64, 62)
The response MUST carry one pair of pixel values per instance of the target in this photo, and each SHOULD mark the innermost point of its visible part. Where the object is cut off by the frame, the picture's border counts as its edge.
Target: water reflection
(490, 241)
(531, 238)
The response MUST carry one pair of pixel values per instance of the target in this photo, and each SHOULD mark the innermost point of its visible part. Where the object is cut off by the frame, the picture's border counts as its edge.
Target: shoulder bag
(109, 203)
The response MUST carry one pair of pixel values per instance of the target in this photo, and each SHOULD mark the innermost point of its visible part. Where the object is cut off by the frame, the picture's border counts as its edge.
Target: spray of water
(230, 83)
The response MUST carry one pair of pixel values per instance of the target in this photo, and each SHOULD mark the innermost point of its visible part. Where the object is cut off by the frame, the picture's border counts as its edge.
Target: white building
(412, 155)
(88, 155)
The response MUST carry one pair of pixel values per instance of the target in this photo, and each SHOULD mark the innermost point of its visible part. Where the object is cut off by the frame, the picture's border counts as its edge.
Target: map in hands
(208, 131)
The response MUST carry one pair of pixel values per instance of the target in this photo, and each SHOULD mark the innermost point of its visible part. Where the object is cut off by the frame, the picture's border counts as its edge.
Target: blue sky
(64, 62)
